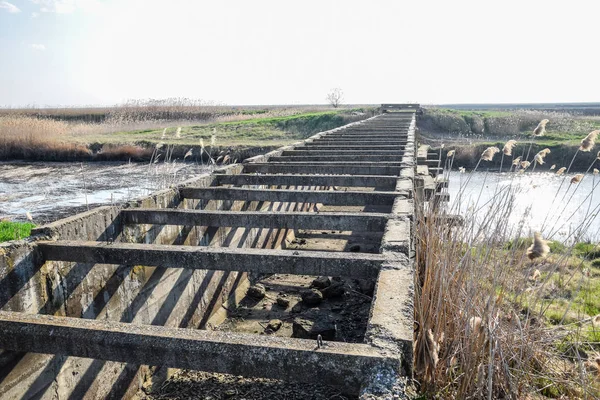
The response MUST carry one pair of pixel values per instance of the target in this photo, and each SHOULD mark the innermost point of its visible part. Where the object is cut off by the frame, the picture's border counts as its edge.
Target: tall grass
(126, 132)
(31, 138)
(496, 317)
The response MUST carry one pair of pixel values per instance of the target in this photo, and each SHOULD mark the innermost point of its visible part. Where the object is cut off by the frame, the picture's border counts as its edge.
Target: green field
(271, 131)
(14, 230)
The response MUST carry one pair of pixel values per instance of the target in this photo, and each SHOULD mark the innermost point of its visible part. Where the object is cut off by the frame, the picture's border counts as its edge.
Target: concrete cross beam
(367, 135)
(365, 146)
(346, 198)
(298, 151)
(338, 221)
(362, 140)
(265, 261)
(336, 158)
(343, 365)
(307, 180)
(342, 163)
(294, 168)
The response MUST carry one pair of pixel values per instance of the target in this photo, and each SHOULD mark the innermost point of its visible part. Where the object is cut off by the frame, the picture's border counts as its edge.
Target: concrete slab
(340, 163)
(330, 197)
(357, 265)
(365, 222)
(397, 236)
(302, 151)
(269, 168)
(340, 364)
(307, 180)
(335, 158)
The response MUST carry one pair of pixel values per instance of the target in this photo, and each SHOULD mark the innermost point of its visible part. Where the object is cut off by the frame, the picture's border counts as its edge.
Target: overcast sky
(97, 52)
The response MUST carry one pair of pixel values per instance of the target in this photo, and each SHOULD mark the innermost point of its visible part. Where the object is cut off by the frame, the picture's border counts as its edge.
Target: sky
(104, 52)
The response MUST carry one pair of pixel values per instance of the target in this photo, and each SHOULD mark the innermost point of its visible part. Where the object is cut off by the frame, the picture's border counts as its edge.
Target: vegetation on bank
(14, 230)
(500, 312)
(471, 132)
(563, 128)
(132, 132)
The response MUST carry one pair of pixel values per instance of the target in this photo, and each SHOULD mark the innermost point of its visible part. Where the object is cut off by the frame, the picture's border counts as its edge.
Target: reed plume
(178, 133)
(553, 166)
(577, 178)
(507, 150)
(539, 157)
(450, 153)
(489, 153)
(525, 164)
(434, 348)
(588, 142)
(561, 171)
(461, 170)
(539, 248)
(596, 171)
(541, 128)
(516, 161)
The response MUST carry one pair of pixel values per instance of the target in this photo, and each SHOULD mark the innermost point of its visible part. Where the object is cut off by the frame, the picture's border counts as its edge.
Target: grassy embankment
(14, 230)
(499, 315)
(134, 131)
(471, 132)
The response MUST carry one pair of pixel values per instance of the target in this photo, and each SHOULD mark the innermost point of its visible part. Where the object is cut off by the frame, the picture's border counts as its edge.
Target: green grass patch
(271, 131)
(14, 230)
(589, 251)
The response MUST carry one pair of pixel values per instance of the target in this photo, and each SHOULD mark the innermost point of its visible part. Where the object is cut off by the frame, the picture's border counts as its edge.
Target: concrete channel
(93, 304)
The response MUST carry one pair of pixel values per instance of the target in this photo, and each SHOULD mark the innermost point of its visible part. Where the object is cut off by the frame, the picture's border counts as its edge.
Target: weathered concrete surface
(299, 151)
(178, 297)
(268, 168)
(145, 295)
(340, 364)
(336, 158)
(363, 146)
(347, 198)
(371, 222)
(308, 180)
(390, 326)
(356, 265)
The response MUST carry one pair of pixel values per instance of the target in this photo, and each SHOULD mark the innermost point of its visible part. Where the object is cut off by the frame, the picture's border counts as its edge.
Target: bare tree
(335, 97)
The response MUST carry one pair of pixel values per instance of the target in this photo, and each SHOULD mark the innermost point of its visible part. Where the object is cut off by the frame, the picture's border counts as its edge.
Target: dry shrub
(480, 327)
(34, 138)
(110, 152)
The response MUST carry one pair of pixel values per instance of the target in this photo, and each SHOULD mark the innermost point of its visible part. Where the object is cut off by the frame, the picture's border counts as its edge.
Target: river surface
(49, 191)
(541, 202)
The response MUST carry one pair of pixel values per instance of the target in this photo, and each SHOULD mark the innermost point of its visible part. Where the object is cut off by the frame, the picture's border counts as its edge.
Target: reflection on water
(538, 202)
(45, 189)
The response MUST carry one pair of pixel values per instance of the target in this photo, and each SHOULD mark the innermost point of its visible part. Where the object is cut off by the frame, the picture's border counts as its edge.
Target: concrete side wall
(137, 294)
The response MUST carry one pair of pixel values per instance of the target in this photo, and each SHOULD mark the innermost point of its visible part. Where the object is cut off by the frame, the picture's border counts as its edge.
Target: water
(535, 201)
(51, 190)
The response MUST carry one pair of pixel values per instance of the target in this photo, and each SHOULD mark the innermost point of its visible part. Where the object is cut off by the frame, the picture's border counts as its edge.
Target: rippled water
(542, 201)
(50, 190)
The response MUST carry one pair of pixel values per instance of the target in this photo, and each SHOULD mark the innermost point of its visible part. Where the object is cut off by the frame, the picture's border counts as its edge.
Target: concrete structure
(90, 303)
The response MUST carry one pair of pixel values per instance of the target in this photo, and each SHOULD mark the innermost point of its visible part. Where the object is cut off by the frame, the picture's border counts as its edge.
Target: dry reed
(539, 248)
(508, 147)
(540, 129)
(588, 142)
(489, 153)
